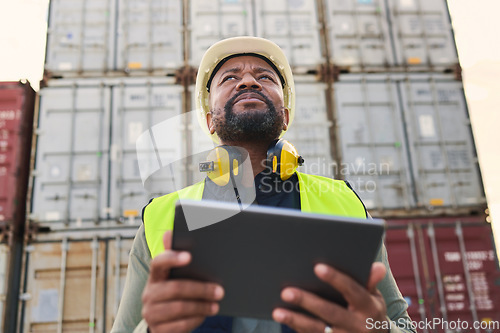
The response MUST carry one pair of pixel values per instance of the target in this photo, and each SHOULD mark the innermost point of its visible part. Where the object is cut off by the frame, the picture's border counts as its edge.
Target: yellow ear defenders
(283, 159)
(224, 164)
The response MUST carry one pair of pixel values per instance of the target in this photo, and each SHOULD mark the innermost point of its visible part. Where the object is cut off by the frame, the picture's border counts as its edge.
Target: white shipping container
(294, 26)
(407, 142)
(74, 285)
(211, 21)
(71, 167)
(423, 36)
(152, 105)
(80, 37)
(149, 36)
(359, 34)
(310, 130)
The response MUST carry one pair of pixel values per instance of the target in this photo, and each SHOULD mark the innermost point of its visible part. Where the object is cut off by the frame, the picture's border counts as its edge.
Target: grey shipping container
(423, 35)
(371, 35)
(294, 26)
(95, 140)
(80, 37)
(407, 143)
(149, 36)
(89, 38)
(211, 21)
(74, 284)
(359, 34)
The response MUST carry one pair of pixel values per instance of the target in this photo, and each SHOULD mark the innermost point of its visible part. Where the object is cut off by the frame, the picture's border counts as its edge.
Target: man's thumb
(167, 240)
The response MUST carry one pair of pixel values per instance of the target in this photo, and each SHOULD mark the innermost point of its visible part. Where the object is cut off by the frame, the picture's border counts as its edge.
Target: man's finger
(327, 311)
(179, 326)
(353, 292)
(377, 274)
(161, 265)
(298, 322)
(175, 310)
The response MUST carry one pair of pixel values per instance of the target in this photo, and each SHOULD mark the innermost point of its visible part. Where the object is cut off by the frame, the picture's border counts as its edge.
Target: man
(245, 98)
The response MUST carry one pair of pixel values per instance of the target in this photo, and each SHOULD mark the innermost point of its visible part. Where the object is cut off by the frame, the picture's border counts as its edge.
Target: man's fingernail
(322, 269)
(183, 256)
(279, 315)
(214, 308)
(288, 296)
(219, 292)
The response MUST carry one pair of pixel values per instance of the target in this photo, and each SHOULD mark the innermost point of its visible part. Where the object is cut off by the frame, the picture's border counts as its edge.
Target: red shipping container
(16, 100)
(447, 270)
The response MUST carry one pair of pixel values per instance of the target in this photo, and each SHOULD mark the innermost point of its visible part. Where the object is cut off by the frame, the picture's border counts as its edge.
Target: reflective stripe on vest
(317, 195)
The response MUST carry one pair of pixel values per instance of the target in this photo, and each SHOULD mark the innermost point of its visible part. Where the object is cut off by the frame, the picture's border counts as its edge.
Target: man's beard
(248, 126)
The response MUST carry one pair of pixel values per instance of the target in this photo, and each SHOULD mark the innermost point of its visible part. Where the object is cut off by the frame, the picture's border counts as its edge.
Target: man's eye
(266, 77)
(228, 78)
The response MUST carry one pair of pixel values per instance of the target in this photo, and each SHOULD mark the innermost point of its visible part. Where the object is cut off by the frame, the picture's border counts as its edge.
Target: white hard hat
(234, 46)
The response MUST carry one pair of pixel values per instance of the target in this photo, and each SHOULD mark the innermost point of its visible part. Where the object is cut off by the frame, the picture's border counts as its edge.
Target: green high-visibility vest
(317, 195)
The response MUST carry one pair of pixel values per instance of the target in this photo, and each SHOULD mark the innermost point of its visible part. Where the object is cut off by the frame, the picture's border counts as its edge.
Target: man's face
(246, 101)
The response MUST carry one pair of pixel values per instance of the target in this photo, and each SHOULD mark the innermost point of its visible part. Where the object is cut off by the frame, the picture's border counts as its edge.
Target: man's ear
(210, 125)
(287, 119)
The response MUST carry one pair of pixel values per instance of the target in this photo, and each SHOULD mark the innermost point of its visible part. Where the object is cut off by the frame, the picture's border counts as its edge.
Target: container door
(441, 144)
(310, 130)
(152, 107)
(294, 26)
(211, 21)
(359, 34)
(71, 170)
(422, 33)
(80, 37)
(374, 152)
(150, 36)
(65, 282)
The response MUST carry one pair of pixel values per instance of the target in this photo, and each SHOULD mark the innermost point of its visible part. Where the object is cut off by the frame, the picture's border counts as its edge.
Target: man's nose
(248, 81)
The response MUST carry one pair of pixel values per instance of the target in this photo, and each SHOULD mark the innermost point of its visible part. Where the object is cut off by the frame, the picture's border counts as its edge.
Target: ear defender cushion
(223, 163)
(283, 158)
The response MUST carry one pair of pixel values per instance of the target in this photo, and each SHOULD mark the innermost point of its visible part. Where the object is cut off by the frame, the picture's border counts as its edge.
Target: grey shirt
(129, 319)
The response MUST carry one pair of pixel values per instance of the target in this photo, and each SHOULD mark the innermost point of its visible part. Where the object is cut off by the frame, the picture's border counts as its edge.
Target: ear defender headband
(225, 162)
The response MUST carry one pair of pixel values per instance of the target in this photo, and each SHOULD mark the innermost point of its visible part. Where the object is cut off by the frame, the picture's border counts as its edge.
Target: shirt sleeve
(129, 317)
(396, 305)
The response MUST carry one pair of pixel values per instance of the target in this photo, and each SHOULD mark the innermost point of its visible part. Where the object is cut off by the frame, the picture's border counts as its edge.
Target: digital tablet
(256, 252)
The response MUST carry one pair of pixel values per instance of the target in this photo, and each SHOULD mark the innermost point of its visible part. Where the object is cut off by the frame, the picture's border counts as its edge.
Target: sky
(477, 31)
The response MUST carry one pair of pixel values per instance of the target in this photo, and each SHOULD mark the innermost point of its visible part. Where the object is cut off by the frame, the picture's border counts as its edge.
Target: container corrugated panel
(58, 273)
(294, 26)
(424, 158)
(423, 36)
(211, 21)
(149, 36)
(15, 99)
(359, 34)
(447, 269)
(152, 106)
(4, 260)
(310, 130)
(72, 154)
(80, 37)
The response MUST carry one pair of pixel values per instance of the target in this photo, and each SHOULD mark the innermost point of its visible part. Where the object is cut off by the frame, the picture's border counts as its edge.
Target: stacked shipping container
(121, 73)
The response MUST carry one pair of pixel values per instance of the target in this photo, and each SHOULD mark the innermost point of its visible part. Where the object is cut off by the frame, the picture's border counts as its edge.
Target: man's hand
(176, 305)
(363, 304)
